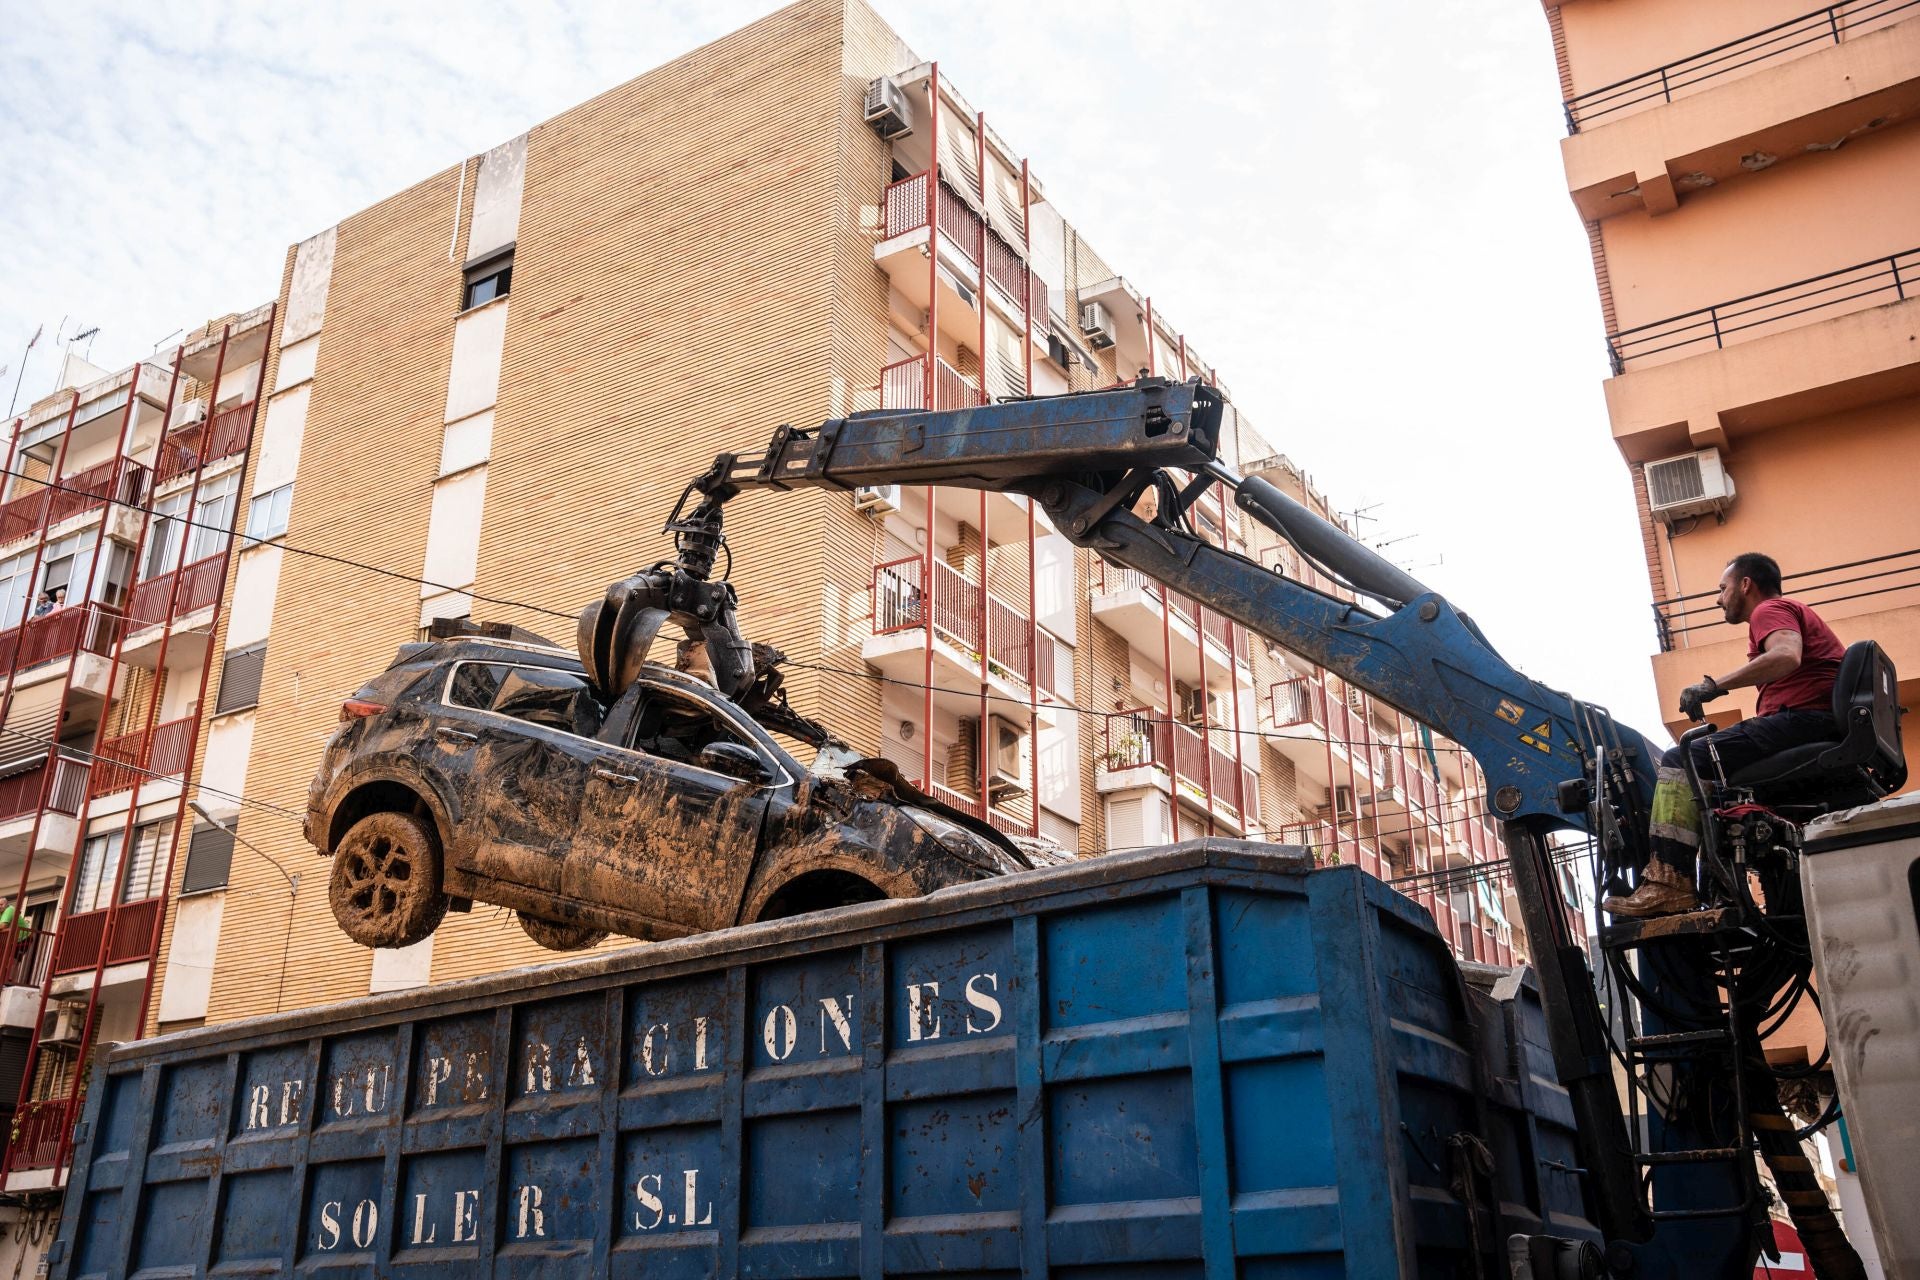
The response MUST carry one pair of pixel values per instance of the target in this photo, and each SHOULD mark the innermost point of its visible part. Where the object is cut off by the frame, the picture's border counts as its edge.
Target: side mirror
(735, 760)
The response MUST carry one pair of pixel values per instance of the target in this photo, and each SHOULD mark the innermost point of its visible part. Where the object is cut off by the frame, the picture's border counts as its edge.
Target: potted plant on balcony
(1129, 750)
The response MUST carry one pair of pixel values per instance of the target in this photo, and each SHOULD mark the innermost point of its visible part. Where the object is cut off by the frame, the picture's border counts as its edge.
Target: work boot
(1663, 891)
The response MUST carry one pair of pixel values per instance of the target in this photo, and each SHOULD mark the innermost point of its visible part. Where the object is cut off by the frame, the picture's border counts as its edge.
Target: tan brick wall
(368, 461)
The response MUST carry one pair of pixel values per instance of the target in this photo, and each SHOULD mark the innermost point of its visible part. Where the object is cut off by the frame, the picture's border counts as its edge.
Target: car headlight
(962, 843)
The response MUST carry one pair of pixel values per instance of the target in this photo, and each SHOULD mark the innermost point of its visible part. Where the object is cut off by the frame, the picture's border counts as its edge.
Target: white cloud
(1356, 211)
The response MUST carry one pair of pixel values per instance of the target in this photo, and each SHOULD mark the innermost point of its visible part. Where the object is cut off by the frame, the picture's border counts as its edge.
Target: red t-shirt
(1809, 686)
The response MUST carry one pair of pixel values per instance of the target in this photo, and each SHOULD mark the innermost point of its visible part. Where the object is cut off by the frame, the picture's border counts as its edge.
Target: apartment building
(1748, 172)
(485, 392)
(118, 505)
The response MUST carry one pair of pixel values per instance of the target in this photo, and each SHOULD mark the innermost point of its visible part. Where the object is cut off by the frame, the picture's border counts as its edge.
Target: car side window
(680, 728)
(475, 684)
(537, 695)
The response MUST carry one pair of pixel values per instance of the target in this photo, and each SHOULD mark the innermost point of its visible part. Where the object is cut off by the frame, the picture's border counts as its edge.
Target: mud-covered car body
(668, 812)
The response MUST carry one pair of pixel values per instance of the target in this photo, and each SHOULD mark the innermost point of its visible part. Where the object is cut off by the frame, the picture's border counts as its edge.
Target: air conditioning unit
(1343, 802)
(1356, 699)
(190, 414)
(887, 110)
(1012, 755)
(1692, 484)
(1097, 323)
(1193, 706)
(63, 1023)
(877, 498)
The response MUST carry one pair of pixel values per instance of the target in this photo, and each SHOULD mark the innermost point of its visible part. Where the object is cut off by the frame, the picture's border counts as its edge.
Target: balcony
(1142, 748)
(962, 633)
(120, 481)
(129, 936)
(1710, 67)
(1876, 598)
(185, 451)
(967, 248)
(41, 1131)
(40, 816)
(156, 601)
(121, 762)
(60, 787)
(1308, 724)
(1328, 843)
(1648, 141)
(91, 629)
(1153, 620)
(1825, 345)
(903, 385)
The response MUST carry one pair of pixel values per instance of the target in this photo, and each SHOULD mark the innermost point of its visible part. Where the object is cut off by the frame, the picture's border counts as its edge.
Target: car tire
(385, 884)
(555, 936)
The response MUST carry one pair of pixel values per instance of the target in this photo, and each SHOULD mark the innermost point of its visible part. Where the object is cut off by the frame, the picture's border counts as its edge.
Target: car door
(659, 834)
(518, 775)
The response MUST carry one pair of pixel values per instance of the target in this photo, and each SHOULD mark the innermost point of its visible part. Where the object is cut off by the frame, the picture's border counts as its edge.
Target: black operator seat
(1863, 764)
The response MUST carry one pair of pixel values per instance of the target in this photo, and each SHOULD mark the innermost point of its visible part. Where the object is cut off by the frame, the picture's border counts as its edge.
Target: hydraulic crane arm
(1087, 458)
(1551, 761)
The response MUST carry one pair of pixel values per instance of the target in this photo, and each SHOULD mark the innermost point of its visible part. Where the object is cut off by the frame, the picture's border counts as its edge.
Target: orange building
(1749, 176)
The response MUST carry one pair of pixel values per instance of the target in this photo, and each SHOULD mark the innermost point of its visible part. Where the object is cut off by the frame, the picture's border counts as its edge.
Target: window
(148, 865)
(16, 581)
(99, 870)
(240, 679)
(544, 696)
(209, 860)
(163, 536)
(267, 514)
(69, 566)
(487, 279)
(212, 517)
(100, 877)
(680, 728)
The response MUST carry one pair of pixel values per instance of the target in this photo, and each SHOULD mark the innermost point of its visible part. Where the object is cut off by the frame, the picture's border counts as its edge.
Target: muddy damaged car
(488, 770)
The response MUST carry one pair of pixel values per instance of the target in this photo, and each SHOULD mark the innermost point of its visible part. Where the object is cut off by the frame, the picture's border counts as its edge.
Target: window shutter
(209, 858)
(240, 679)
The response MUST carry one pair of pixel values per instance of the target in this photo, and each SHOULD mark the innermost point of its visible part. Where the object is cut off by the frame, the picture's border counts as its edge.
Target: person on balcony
(1793, 657)
(50, 599)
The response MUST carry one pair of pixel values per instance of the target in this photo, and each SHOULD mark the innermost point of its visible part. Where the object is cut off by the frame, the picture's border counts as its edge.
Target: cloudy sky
(1356, 210)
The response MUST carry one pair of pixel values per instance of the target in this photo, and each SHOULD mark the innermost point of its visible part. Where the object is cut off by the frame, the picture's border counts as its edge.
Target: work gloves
(1695, 697)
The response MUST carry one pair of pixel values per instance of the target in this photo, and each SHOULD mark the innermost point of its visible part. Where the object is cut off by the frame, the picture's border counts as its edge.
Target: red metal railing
(134, 935)
(118, 479)
(199, 587)
(26, 961)
(39, 1135)
(1298, 701)
(1008, 639)
(1138, 739)
(226, 434)
(63, 790)
(959, 223)
(84, 490)
(905, 203)
(120, 761)
(21, 516)
(92, 627)
(1317, 836)
(903, 385)
(1422, 791)
(898, 605)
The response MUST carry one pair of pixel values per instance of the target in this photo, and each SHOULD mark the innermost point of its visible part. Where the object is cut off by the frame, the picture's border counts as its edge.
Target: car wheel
(385, 884)
(555, 936)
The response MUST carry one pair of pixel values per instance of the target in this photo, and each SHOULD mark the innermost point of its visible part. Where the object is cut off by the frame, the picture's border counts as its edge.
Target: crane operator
(1794, 657)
